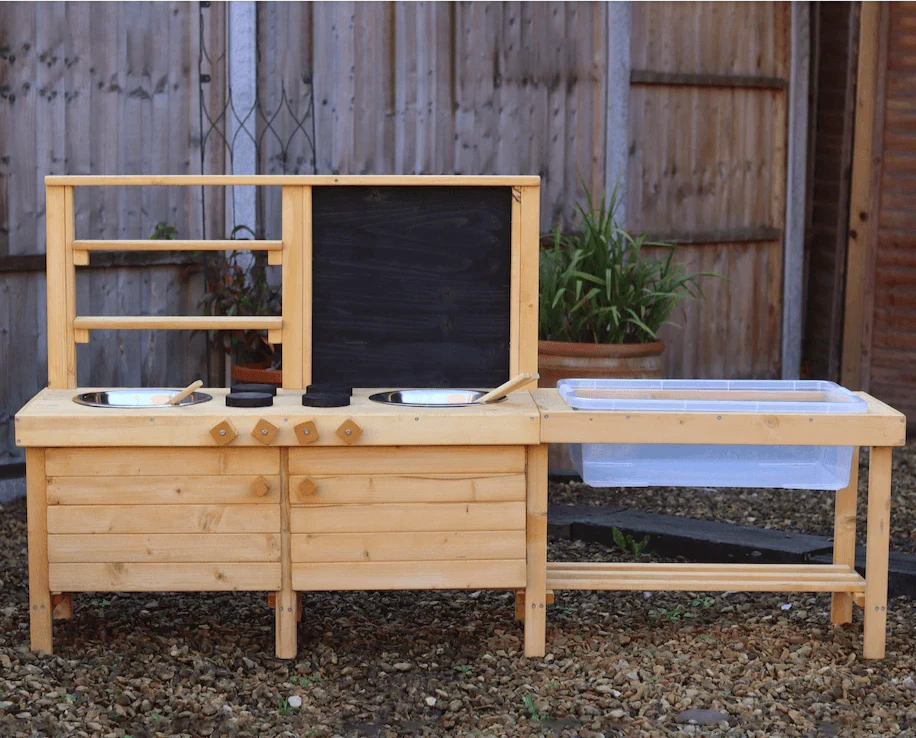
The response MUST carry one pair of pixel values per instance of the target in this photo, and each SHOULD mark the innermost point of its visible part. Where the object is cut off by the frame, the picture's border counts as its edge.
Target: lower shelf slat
(144, 577)
(704, 577)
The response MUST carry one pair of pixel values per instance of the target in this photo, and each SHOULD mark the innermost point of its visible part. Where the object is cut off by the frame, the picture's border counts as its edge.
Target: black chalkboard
(411, 286)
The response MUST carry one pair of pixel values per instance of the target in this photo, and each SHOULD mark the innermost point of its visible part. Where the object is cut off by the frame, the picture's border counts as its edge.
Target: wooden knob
(306, 432)
(223, 433)
(307, 487)
(265, 432)
(349, 432)
(260, 487)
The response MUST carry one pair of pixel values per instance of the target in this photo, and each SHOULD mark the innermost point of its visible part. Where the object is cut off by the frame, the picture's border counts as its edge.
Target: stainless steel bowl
(430, 397)
(141, 398)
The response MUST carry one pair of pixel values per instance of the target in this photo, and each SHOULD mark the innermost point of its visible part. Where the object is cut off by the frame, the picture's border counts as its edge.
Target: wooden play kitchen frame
(285, 500)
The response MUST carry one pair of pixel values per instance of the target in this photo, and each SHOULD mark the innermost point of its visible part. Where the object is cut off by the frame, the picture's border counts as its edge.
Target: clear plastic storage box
(708, 465)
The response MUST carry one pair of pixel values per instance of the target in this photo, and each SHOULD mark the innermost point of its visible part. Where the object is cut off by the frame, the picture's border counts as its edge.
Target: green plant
(240, 287)
(598, 285)
(163, 231)
(532, 709)
(626, 543)
(678, 613)
(283, 707)
(304, 681)
(682, 613)
(464, 670)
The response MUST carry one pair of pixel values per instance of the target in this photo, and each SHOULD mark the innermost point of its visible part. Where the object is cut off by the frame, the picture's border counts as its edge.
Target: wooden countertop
(52, 419)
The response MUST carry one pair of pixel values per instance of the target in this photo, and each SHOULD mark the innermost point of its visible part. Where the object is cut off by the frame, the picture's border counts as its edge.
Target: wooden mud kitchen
(346, 479)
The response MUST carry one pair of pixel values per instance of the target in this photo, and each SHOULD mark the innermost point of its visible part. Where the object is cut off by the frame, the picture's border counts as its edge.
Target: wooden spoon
(504, 389)
(175, 399)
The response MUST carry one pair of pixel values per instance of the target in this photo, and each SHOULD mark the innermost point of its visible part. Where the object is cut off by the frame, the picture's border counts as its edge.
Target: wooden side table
(880, 428)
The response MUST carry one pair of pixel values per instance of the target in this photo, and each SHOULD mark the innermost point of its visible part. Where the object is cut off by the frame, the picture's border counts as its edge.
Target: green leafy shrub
(598, 285)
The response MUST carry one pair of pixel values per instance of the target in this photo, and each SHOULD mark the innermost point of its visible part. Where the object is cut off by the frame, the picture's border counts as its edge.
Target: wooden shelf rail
(704, 577)
(82, 248)
(85, 323)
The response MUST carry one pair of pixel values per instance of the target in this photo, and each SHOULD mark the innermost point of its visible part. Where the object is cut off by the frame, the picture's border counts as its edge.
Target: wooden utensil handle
(175, 399)
(504, 389)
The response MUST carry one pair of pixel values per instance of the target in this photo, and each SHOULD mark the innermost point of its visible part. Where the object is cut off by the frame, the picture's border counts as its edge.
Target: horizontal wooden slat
(704, 578)
(104, 462)
(140, 577)
(464, 545)
(163, 490)
(350, 489)
(649, 77)
(475, 574)
(408, 460)
(178, 245)
(178, 322)
(408, 517)
(356, 180)
(164, 548)
(52, 419)
(164, 519)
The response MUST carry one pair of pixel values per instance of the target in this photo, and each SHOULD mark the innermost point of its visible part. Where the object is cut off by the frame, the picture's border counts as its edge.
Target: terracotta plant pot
(558, 360)
(257, 374)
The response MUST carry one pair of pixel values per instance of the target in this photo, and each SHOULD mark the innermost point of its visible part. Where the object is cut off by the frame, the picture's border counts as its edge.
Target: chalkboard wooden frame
(317, 363)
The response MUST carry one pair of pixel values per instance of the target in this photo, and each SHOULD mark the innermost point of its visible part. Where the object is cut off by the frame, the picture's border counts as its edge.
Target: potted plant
(603, 299)
(237, 286)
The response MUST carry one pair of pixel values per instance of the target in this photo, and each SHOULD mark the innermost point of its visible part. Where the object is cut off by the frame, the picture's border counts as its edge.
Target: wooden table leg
(286, 604)
(37, 509)
(877, 551)
(844, 538)
(536, 538)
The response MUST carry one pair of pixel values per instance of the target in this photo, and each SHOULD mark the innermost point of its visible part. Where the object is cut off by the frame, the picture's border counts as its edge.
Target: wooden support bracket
(272, 603)
(858, 599)
(306, 432)
(80, 257)
(81, 335)
(265, 432)
(274, 335)
(520, 603)
(223, 432)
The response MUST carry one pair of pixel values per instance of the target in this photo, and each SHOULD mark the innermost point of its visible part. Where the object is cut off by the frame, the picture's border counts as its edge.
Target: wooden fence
(488, 88)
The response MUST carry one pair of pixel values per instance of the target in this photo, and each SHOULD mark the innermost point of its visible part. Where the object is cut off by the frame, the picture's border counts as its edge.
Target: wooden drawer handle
(349, 432)
(260, 487)
(223, 433)
(307, 487)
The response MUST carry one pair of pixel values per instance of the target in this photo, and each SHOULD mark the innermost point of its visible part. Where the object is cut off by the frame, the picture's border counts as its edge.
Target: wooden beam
(649, 77)
(617, 113)
(293, 300)
(796, 185)
(863, 210)
(13, 263)
(178, 322)
(267, 180)
(153, 244)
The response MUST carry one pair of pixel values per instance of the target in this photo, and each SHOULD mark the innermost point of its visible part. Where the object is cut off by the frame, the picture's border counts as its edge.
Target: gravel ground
(405, 664)
(796, 510)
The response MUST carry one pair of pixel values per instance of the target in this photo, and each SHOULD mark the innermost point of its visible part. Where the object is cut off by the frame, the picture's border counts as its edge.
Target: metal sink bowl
(430, 397)
(140, 398)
